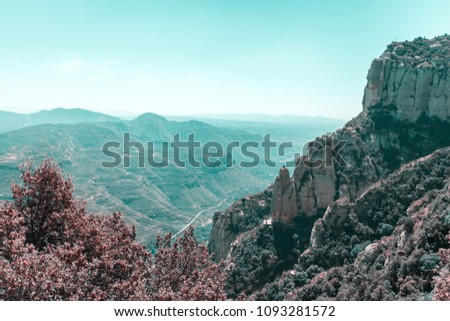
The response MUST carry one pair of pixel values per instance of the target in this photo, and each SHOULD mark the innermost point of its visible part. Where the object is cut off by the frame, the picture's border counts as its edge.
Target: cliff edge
(406, 115)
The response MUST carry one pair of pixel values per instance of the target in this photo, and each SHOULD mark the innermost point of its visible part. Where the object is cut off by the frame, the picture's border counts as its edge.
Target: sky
(180, 57)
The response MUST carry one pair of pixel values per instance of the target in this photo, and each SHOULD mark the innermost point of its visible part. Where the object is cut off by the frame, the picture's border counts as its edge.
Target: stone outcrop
(413, 77)
(312, 188)
(405, 116)
(333, 218)
(284, 200)
(316, 187)
(409, 80)
(241, 217)
(389, 247)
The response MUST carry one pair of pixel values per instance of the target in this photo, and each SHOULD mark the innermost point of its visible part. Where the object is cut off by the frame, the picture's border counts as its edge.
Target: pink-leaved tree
(52, 249)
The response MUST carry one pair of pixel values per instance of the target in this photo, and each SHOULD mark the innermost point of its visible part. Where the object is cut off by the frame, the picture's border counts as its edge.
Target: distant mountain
(164, 129)
(12, 121)
(262, 118)
(296, 129)
(157, 200)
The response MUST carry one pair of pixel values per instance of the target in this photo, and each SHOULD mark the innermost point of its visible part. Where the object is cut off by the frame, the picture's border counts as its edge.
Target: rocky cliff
(381, 138)
(407, 90)
(390, 246)
(405, 116)
(414, 77)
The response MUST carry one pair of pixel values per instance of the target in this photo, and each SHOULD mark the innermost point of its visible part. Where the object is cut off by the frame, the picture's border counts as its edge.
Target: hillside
(302, 221)
(11, 121)
(157, 200)
(386, 249)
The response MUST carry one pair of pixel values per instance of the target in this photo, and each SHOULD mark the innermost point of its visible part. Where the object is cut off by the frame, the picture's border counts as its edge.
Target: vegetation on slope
(394, 244)
(52, 249)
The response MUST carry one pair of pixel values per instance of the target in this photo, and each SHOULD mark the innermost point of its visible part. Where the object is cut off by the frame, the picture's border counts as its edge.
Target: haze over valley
(157, 200)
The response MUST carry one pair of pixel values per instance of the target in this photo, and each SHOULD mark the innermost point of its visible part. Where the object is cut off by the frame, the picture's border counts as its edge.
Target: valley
(156, 200)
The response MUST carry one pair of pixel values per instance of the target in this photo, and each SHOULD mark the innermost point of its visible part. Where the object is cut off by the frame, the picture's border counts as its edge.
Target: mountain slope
(157, 200)
(12, 121)
(387, 248)
(377, 143)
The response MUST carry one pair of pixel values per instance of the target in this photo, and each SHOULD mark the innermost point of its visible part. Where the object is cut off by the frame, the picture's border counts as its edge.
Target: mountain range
(156, 200)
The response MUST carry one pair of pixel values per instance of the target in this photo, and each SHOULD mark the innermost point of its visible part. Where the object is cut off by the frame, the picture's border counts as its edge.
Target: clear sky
(215, 56)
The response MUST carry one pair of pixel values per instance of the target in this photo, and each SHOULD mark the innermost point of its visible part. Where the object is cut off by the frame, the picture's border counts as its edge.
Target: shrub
(52, 249)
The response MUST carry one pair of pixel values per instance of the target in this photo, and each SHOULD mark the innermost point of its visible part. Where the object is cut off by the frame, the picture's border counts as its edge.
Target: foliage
(255, 264)
(52, 249)
(394, 244)
(442, 288)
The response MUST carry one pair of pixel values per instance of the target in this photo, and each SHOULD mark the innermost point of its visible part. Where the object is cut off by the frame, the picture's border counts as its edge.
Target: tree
(42, 200)
(52, 249)
(183, 270)
(442, 287)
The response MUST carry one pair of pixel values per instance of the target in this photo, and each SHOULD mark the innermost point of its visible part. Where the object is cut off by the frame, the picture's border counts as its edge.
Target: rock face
(316, 187)
(284, 201)
(410, 80)
(414, 77)
(405, 116)
(398, 263)
(313, 187)
(334, 216)
(241, 217)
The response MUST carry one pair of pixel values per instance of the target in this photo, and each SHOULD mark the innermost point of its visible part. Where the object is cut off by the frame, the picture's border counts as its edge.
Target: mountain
(282, 128)
(309, 235)
(261, 118)
(388, 246)
(12, 121)
(156, 200)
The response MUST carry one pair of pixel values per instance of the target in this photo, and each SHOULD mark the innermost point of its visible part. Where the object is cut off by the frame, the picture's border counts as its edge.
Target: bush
(52, 249)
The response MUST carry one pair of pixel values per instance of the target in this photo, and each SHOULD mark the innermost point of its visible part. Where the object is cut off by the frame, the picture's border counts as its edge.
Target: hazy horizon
(198, 57)
(222, 116)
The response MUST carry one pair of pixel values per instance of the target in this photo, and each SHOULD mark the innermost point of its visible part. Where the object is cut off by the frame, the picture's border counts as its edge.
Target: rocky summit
(412, 76)
(310, 232)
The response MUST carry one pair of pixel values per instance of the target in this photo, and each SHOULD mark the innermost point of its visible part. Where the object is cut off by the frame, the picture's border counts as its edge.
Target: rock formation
(241, 217)
(284, 202)
(410, 80)
(406, 115)
(414, 77)
(395, 232)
